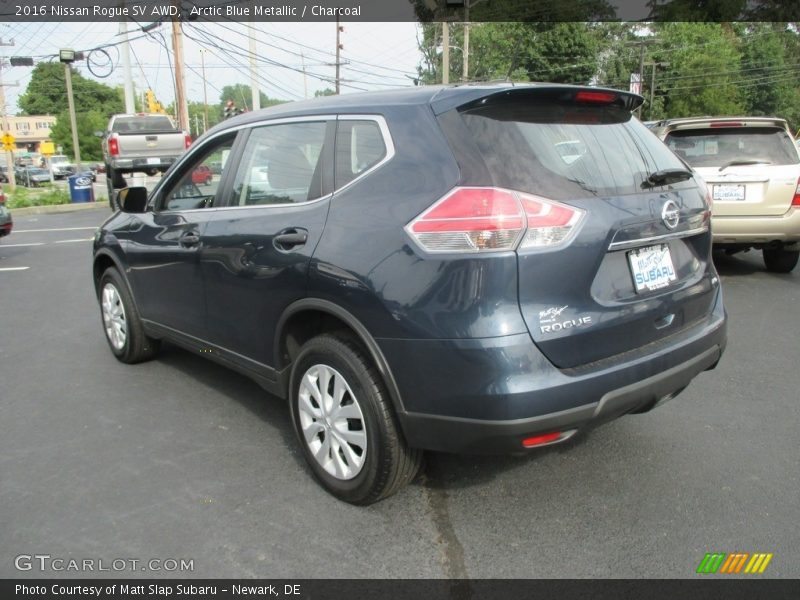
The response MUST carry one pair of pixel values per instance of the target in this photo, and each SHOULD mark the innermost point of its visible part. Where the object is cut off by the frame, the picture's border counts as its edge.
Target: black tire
(389, 464)
(137, 346)
(114, 181)
(780, 260)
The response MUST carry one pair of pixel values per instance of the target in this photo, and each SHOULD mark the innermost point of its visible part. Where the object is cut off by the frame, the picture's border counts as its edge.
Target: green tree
(88, 123)
(242, 95)
(325, 92)
(46, 92)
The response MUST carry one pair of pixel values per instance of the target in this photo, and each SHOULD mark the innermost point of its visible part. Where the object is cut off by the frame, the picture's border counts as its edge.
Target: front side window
(197, 187)
(281, 164)
(359, 147)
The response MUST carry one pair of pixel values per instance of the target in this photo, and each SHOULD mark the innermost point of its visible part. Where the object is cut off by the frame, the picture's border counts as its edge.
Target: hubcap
(114, 317)
(332, 423)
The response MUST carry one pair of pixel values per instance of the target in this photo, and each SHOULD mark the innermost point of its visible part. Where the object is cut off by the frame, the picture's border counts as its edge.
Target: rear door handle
(190, 238)
(290, 239)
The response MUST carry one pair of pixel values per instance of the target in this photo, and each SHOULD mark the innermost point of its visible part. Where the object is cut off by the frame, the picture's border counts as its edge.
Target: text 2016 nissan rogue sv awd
(426, 269)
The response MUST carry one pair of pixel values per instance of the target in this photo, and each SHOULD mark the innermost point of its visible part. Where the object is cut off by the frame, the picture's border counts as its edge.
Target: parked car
(3, 174)
(202, 175)
(6, 221)
(421, 269)
(61, 166)
(32, 176)
(752, 167)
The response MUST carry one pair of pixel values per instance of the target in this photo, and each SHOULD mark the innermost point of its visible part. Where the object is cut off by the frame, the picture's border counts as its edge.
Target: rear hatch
(751, 167)
(625, 259)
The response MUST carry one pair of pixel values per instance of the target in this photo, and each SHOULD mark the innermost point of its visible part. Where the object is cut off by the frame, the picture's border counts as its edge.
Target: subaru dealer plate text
(651, 267)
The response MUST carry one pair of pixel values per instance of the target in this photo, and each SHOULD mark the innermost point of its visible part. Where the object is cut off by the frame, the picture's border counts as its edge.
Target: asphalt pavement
(179, 458)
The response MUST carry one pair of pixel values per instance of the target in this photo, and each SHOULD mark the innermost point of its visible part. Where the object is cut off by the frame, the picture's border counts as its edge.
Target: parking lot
(179, 458)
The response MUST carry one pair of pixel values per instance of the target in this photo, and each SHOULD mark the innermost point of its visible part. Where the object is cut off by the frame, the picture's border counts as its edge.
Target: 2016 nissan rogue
(461, 269)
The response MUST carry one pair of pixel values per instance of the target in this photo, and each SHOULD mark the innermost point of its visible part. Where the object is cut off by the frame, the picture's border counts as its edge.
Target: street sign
(7, 140)
(47, 148)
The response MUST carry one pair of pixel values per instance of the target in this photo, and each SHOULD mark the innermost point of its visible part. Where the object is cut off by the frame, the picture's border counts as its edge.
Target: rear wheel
(780, 260)
(121, 322)
(345, 423)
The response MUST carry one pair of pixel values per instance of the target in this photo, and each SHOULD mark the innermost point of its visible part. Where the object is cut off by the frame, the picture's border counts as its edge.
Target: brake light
(549, 223)
(492, 220)
(796, 199)
(187, 140)
(113, 146)
(727, 124)
(598, 97)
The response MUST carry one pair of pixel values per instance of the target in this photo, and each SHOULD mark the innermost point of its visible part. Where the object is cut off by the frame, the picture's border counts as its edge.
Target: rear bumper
(757, 230)
(487, 396)
(142, 163)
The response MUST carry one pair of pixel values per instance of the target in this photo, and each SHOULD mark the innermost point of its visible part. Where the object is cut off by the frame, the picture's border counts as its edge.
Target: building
(30, 131)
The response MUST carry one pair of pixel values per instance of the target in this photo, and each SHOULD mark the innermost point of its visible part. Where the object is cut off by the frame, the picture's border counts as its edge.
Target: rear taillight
(113, 146)
(493, 220)
(187, 140)
(796, 199)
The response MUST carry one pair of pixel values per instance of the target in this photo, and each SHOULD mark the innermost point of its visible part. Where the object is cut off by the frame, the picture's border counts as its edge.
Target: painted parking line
(71, 241)
(13, 268)
(21, 245)
(54, 229)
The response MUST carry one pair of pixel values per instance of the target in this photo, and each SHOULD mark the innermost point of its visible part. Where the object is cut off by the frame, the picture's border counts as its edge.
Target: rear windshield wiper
(752, 161)
(666, 176)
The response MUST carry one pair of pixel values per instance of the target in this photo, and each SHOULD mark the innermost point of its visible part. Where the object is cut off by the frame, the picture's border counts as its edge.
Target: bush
(22, 197)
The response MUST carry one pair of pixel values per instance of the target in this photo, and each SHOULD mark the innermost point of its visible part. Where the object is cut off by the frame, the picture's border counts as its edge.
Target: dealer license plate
(725, 193)
(651, 268)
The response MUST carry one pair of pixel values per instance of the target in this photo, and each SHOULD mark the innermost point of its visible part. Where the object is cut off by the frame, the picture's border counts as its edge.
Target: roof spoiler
(465, 97)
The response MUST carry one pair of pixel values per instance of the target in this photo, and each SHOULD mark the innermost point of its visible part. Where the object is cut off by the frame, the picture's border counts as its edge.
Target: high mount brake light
(478, 219)
(596, 97)
(727, 124)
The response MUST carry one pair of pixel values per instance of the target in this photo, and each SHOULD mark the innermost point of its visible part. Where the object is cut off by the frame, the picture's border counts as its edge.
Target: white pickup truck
(141, 142)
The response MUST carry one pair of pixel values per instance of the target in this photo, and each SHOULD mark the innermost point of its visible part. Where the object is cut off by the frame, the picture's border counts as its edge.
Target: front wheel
(780, 260)
(121, 323)
(345, 423)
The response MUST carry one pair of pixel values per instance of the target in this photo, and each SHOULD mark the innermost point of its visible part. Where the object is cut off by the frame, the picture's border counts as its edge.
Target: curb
(57, 208)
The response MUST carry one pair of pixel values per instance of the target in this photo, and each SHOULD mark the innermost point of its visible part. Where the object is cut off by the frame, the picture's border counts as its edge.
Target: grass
(46, 195)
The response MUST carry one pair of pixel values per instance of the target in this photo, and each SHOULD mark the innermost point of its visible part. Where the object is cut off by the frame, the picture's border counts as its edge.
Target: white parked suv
(752, 168)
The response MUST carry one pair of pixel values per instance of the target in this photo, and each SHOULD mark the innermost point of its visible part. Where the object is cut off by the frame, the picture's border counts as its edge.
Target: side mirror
(131, 199)
(99, 134)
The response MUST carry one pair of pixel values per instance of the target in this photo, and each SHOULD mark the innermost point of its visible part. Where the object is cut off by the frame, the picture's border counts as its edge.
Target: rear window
(133, 124)
(718, 146)
(566, 151)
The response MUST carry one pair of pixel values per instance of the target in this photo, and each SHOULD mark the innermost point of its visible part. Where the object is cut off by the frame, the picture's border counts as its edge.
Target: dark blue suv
(461, 269)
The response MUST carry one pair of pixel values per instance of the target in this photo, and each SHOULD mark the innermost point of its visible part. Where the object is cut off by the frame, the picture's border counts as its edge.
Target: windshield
(59, 159)
(37, 172)
(720, 146)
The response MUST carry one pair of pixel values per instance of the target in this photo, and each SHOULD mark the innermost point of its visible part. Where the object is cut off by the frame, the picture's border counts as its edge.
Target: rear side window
(281, 164)
(359, 147)
(565, 151)
(134, 124)
(719, 146)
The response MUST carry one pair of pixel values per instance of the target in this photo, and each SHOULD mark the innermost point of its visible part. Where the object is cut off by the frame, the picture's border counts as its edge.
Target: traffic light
(153, 105)
(230, 109)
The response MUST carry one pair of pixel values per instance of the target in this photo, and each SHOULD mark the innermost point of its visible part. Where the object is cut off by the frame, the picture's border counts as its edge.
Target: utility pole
(181, 108)
(654, 65)
(339, 29)
(12, 182)
(642, 43)
(205, 91)
(465, 70)
(130, 106)
(72, 120)
(445, 52)
(251, 38)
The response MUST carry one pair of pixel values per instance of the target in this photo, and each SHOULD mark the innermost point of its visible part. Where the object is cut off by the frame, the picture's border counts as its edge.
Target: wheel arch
(313, 308)
(104, 259)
